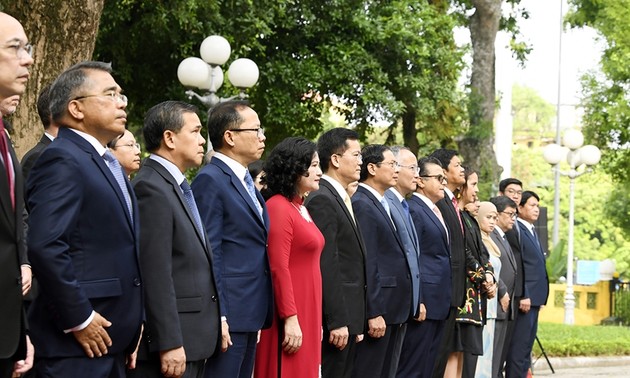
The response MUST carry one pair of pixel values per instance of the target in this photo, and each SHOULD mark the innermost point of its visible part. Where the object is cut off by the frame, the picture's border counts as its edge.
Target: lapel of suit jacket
(381, 209)
(100, 163)
(399, 216)
(240, 189)
(504, 246)
(532, 239)
(325, 185)
(180, 196)
(5, 195)
(431, 215)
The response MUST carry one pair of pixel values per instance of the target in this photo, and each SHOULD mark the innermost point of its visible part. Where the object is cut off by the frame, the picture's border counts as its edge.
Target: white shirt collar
(100, 149)
(236, 167)
(398, 195)
(425, 199)
(170, 167)
(337, 185)
(529, 226)
(376, 194)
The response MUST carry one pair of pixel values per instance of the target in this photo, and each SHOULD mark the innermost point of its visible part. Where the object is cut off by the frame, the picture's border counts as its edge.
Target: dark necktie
(251, 189)
(119, 175)
(405, 207)
(192, 206)
(4, 150)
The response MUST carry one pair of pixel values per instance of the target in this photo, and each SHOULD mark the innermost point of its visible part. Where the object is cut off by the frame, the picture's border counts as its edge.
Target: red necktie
(459, 216)
(4, 150)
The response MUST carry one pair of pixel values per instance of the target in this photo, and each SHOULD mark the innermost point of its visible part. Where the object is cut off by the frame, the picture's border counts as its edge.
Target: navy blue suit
(537, 290)
(423, 338)
(389, 292)
(238, 239)
(83, 245)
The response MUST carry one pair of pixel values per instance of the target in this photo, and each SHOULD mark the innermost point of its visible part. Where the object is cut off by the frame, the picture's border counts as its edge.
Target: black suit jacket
(458, 251)
(31, 156)
(389, 279)
(513, 237)
(12, 252)
(181, 298)
(342, 261)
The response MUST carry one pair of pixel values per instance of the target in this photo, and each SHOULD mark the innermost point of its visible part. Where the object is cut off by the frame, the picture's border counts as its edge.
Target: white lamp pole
(206, 73)
(575, 155)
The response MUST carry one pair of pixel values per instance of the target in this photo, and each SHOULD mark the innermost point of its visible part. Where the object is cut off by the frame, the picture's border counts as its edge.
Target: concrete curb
(576, 362)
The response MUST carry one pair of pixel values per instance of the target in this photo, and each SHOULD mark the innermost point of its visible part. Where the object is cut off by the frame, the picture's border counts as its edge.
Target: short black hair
(332, 142)
(286, 163)
(423, 164)
(222, 117)
(527, 195)
(503, 202)
(43, 106)
(371, 154)
(167, 115)
(444, 156)
(507, 182)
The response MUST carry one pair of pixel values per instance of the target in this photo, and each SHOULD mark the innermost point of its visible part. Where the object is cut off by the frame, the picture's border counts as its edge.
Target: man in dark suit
(424, 334)
(536, 289)
(454, 173)
(50, 132)
(236, 220)
(506, 209)
(389, 296)
(83, 234)
(183, 322)
(15, 60)
(343, 258)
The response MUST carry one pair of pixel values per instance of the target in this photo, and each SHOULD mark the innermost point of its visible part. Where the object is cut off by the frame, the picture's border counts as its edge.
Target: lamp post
(206, 73)
(576, 155)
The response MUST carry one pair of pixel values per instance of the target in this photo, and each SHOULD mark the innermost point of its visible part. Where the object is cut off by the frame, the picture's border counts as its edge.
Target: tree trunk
(477, 146)
(62, 32)
(410, 133)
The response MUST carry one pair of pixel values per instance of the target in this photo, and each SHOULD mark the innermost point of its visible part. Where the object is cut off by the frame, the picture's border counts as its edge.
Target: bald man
(15, 60)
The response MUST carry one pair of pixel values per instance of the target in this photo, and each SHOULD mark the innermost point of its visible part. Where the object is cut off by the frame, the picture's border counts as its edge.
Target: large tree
(393, 62)
(62, 32)
(605, 96)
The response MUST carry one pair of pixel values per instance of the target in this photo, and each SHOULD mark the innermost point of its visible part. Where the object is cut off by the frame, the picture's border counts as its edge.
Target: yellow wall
(591, 313)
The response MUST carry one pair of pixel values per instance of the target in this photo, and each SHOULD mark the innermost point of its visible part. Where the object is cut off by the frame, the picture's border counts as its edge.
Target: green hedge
(561, 340)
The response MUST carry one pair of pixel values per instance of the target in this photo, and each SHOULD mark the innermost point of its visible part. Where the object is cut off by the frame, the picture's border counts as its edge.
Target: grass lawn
(561, 340)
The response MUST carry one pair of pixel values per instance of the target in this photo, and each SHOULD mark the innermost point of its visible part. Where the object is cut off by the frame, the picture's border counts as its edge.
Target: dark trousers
(445, 348)
(498, 356)
(152, 369)
(6, 367)
(419, 349)
(376, 357)
(108, 366)
(338, 363)
(470, 365)
(519, 356)
(237, 361)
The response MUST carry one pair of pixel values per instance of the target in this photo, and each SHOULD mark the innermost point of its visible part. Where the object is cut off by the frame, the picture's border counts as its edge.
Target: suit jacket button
(136, 282)
(213, 298)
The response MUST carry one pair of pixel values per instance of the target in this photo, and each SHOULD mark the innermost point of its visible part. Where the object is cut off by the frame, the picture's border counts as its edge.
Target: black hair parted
(372, 154)
(332, 142)
(507, 182)
(285, 164)
(444, 155)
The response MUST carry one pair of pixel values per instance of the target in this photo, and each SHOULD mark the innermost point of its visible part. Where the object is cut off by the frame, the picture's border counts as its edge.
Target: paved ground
(583, 367)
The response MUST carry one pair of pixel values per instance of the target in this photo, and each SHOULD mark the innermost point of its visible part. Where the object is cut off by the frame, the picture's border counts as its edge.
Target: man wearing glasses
(424, 334)
(15, 60)
(389, 296)
(84, 234)
(236, 220)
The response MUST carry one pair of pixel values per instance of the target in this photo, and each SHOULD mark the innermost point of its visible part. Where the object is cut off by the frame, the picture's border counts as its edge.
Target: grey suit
(181, 297)
(507, 284)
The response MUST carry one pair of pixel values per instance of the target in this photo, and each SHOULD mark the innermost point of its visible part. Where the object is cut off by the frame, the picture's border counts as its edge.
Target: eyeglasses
(511, 214)
(392, 164)
(512, 191)
(356, 155)
(440, 178)
(130, 145)
(260, 132)
(20, 49)
(116, 97)
(414, 168)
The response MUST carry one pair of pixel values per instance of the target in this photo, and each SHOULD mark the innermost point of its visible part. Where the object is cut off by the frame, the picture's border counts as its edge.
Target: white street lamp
(575, 155)
(206, 73)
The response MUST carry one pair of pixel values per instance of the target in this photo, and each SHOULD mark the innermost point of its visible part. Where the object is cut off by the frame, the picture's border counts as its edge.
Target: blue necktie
(405, 207)
(389, 214)
(119, 175)
(251, 189)
(192, 206)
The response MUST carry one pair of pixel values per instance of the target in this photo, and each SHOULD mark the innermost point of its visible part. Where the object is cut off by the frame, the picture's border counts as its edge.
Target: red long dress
(295, 245)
